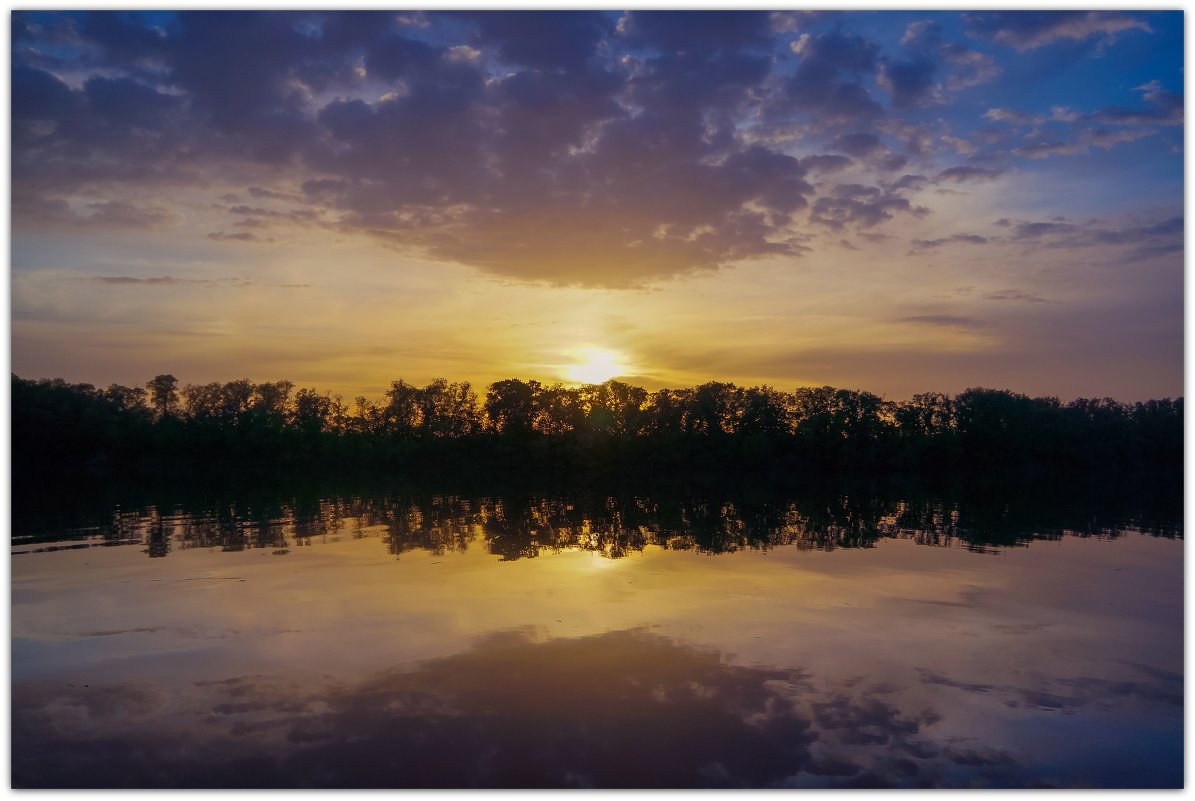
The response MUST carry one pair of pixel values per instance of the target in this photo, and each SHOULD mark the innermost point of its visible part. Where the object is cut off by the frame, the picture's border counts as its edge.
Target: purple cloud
(1026, 30)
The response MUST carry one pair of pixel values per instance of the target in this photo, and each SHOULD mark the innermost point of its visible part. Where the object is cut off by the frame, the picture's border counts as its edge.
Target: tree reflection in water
(515, 526)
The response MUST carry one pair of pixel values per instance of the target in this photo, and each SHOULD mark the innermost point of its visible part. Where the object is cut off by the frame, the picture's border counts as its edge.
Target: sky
(895, 201)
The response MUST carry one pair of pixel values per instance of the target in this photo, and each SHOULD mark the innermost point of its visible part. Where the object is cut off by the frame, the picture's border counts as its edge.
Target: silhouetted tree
(712, 409)
(401, 415)
(560, 410)
(614, 408)
(511, 406)
(163, 395)
(126, 400)
(925, 428)
(202, 402)
(448, 410)
(765, 422)
(312, 411)
(273, 400)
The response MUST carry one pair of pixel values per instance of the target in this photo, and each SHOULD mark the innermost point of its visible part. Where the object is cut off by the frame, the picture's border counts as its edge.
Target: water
(414, 640)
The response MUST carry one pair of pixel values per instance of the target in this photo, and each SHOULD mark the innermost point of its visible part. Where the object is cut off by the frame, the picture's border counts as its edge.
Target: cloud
(1026, 30)
(1083, 131)
(111, 214)
(825, 163)
(792, 21)
(963, 174)
(923, 245)
(858, 145)
(1066, 694)
(242, 236)
(910, 182)
(638, 170)
(299, 215)
(932, 677)
(1013, 116)
(650, 145)
(1016, 294)
(702, 30)
(118, 214)
(1166, 108)
(958, 145)
(166, 280)
(911, 80)
(860, 206)
(681, 195)
(946, 320)
(250, 97)
(1067, 132)
(1036, 230)
(273, 194)
(828, 82)
(1043, 146)
(1171, 226)
(551, 40)
(1163, 237)
(968, 67)
(871, 722)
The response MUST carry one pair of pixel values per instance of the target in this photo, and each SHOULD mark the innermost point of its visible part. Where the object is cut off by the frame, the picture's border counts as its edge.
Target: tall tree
(163, 395)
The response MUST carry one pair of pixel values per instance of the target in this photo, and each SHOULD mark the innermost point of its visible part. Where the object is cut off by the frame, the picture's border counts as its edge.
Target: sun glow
(593, 365)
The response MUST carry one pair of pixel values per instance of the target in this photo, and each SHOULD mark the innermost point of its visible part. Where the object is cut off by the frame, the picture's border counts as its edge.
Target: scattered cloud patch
(1043, 146)
(858, 145)
(1027, 30)
(166, 280)
(946, 320)
(925, 245)
(1016, 295)
(1036, 230)
(860, 206)
(1065, 131)
(1011, 115)
(958, 145)
(911, 81)
(240, 236)
(1158, 238)
(963, 174)
(1165, 108)
(826, 163)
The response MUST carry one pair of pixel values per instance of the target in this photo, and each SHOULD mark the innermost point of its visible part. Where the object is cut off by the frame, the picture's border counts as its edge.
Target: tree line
(519, 424)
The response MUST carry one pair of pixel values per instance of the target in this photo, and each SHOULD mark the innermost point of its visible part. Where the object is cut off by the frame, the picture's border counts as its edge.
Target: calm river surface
(545, 641)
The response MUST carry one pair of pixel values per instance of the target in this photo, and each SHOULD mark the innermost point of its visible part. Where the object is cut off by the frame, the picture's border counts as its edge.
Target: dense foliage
(78, 428)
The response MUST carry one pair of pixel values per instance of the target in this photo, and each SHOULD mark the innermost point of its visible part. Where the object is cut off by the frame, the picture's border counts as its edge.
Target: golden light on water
(595, 365)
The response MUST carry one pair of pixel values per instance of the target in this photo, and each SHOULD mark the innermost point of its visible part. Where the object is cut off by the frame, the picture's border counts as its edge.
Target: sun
(594, 365)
